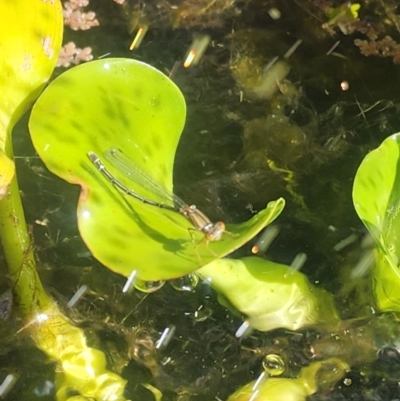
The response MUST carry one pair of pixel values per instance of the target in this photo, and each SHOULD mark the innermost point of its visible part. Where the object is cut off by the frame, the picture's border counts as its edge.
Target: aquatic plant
(130, 105)
(49, 327)
(30, 39)
(376, 199)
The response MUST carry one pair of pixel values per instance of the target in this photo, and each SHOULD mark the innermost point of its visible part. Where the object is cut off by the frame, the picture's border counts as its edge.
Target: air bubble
(186, 283)
(274, 364)
(148, 286)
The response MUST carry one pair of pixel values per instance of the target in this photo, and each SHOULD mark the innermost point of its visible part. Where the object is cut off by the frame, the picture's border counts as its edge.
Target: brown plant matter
(70, 54)
(76, 18)
(181, 14)
(386, 47)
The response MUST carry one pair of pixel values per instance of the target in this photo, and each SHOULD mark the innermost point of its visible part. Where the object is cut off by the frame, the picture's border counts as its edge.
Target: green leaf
(271, 295)
(129, 105)
(319, 375)
(30, 40)
(376, 198)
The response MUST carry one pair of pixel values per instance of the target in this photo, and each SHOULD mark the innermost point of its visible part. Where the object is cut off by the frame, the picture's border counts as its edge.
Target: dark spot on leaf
(109, 112)
(124, 119)
(77, 125)
(155, 102)
(137, 93)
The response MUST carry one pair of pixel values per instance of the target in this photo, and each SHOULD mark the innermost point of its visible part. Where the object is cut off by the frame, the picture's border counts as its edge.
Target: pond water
(261, 124)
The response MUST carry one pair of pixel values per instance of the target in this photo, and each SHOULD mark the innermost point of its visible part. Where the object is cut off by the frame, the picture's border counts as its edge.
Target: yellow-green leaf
(30, 40)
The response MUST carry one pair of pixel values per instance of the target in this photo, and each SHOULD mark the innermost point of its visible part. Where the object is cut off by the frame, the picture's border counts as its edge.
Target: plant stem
(83, 368)
(18, 250)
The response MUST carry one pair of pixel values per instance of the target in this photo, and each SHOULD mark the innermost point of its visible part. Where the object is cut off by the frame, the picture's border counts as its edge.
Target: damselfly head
(216, 231)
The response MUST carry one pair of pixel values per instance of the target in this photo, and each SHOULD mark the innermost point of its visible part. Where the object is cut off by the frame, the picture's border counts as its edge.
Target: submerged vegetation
(261, 114)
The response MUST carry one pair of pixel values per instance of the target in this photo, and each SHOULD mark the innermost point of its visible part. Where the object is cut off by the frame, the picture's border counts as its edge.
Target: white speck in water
(344, 85)
(274, 13)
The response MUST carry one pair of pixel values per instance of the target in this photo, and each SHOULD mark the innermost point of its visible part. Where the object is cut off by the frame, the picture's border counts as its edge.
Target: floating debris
(265, 240)
(259, 382)
(363, 265)
(196, 50)
(45, 389)
(141, 33)
(333, 47)
(298, 261)
(345, 242)
(293, 48)
(77, 296)
(7, 385)
(130, 281)
(260, 379)
(244, 330)
(166, 337)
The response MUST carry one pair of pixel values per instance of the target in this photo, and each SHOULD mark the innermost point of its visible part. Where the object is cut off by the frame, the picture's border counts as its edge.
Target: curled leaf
(271, 295)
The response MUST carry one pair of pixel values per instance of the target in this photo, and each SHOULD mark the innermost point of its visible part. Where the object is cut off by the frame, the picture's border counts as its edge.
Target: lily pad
(376, 197)
(126, 104)
(30, 40)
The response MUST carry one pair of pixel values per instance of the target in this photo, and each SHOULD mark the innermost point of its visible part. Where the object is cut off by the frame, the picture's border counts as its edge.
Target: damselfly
(116, 158)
